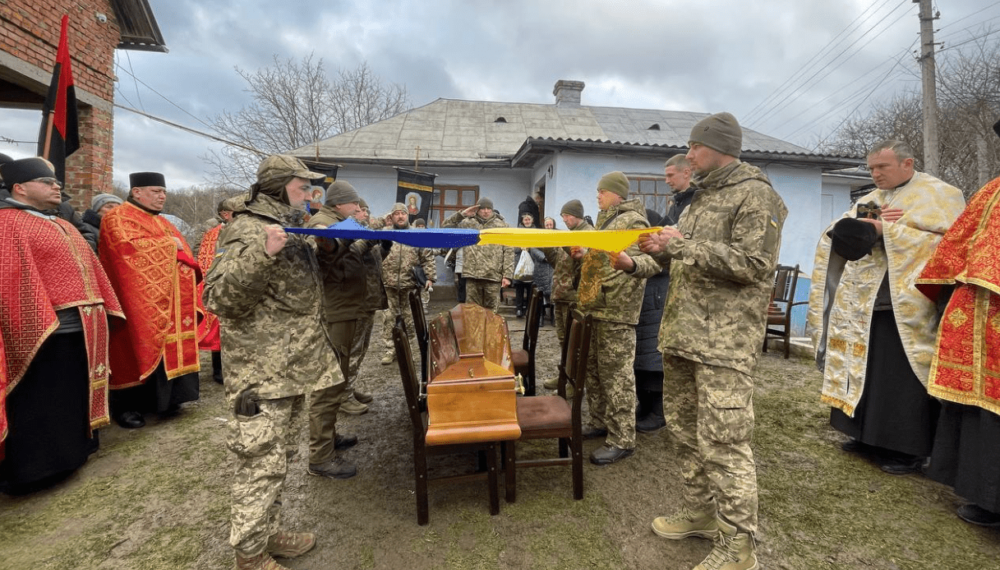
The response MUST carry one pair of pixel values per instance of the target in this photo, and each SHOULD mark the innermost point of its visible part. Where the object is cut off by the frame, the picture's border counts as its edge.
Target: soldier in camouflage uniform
(610, 290)
(266, 288)
(486, 268)
(344, 289)
(375, 300)
(723, 254)
(565, 274)
(397, 275)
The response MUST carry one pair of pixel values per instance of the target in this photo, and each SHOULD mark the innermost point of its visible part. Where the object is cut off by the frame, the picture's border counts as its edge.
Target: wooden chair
(779, 312)
(544, 417)
(411, 387)
(420, 324)
(524, 358)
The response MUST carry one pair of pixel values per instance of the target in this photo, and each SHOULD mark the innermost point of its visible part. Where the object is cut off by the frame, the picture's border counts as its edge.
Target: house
(30, 32)
(559, 151)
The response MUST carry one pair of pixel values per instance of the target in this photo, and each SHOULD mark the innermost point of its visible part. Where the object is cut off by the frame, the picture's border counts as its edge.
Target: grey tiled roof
(470, 131)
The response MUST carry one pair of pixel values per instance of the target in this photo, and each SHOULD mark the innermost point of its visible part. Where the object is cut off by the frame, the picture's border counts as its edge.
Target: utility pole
(928, 77)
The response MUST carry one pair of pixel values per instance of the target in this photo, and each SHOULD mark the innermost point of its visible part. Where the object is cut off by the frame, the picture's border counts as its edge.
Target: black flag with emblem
(415, 190)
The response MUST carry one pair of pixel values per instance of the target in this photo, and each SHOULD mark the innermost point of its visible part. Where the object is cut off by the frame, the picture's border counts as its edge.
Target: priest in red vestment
(55, 304)
(965, 370)
(154, 356)
(208, 329)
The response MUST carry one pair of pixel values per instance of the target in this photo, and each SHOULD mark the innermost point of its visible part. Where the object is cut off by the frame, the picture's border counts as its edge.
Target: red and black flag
(415, 190)
(59, 136)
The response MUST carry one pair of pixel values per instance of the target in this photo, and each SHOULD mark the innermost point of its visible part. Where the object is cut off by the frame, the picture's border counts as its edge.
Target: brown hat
(485, 203)
(721, 132)
(573, 208)
(279, 166)
(615, 182)
(341, 192)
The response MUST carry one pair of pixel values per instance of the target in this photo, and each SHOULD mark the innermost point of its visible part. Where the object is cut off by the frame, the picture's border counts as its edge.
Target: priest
(154, 356)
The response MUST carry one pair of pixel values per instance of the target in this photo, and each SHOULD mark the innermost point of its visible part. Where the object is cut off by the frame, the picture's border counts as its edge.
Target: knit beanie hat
(573, 208)
(398, 207)
(721, 132)
(615, 182)
(363, 204)
(101, 200)
(485, 203)
(341, 192)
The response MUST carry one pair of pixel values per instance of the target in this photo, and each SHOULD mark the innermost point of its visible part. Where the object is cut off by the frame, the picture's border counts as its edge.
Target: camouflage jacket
(604, 292)
(275, 343)
(566, 270)
(722, 272)
(487, 262)
(342, 265)
(397, 268)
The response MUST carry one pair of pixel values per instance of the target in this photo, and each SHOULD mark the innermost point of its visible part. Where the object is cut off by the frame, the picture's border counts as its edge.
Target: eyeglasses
(47, 181)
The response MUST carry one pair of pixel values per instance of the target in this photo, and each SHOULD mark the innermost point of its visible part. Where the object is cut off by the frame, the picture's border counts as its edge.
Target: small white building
(559, 151)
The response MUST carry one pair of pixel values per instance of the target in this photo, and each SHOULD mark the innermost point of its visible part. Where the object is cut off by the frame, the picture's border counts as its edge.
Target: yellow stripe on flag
(604, 240)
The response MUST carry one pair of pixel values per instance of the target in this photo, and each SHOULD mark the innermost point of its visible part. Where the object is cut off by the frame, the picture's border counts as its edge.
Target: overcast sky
(787, 68)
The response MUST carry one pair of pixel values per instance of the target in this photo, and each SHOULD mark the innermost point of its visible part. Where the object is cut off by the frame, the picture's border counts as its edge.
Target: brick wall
(30, 32)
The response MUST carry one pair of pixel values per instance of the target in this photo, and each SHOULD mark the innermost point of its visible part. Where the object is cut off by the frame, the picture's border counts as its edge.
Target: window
(456, 198)
(655, 193)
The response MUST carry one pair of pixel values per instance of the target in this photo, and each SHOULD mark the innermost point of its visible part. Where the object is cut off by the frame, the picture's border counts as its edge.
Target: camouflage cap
(284, 166)
(398, 207)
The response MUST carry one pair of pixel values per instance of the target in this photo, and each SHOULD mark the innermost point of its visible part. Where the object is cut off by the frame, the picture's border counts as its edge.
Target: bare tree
(968, 105)
(295, 104)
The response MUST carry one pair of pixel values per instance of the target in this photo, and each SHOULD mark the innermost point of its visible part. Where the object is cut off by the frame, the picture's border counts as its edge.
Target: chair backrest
(532, 321)
(785, 280)
(420, 324)
(411, 383)
(573, 370)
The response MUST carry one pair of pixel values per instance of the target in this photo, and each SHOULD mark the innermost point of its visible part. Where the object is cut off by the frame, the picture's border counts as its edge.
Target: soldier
(267, 291)
(344, 288)
(397, 274)
(565, 270)
(486, 268)
(375, 300)
(711, 337)
(613, 297)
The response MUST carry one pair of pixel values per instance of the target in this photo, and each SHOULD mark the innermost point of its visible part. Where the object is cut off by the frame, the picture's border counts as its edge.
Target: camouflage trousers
(709, 413)
(263, 445)
(325, 404)
(610, 382)
(399, 304)
(562, 315)
(483, 293)
(359, 348)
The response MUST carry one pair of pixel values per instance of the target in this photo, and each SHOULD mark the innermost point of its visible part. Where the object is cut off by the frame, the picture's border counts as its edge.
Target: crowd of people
(102, 318)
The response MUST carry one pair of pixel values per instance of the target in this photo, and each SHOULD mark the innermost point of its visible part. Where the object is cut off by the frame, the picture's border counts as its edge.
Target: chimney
(568, 93)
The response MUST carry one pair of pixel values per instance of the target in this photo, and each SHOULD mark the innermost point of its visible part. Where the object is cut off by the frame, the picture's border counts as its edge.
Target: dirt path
(158, 498)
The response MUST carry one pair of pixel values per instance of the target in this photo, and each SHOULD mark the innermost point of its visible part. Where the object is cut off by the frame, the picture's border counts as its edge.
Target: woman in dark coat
(648, 364)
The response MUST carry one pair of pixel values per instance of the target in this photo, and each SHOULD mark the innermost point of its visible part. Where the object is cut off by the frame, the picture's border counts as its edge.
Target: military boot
(551, 383)
(685, 523)
(284, 544)
(363, 397)
(336, 468)
(734, 550)
(389, 358)
(262, 561)
(353, 407)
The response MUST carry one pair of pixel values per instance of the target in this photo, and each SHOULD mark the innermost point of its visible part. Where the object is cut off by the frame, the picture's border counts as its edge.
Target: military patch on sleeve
(774, 222)
(219, 252)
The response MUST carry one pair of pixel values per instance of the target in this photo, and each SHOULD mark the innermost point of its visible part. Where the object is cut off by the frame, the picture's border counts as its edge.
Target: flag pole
(48, 135)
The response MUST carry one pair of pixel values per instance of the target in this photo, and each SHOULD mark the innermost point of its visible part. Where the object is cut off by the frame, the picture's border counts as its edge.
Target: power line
(806, 85)
(165, 98)
(829, 46)
(969, 16)
(134, 82)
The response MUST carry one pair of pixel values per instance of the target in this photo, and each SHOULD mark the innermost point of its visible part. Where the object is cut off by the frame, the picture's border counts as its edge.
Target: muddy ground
(157, 498)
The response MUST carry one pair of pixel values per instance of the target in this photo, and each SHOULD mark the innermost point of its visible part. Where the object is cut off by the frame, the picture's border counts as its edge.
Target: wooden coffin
(471, 388)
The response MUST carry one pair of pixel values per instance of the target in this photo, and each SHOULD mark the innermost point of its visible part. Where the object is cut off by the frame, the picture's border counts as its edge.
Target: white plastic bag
(525, 269)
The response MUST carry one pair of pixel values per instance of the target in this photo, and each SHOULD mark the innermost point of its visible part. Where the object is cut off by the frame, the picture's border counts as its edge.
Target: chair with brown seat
(421, 450)
(421, 331)
(545, 417)
(524, 358)
(779, 312)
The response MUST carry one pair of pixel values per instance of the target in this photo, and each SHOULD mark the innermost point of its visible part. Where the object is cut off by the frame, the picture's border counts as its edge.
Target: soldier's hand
(470, 211)
(577, 252)
(891, 214)
(429, 285)
(623, 262)
(275, 240)
(505, 282)
(654, 243)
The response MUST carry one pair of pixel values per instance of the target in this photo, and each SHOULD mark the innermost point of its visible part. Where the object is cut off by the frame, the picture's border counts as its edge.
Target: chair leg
(577, 468)
(420, 469)
(493, 479)
(765, 343)
(788, 343)
(510, 471)
(563, 447)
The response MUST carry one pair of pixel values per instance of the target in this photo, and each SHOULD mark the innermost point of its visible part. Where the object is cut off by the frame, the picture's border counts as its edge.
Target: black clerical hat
(25, 170)
(143, 179)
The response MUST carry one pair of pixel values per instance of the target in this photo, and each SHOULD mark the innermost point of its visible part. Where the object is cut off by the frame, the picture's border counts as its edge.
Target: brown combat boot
(734, 550)
(284, 544)
(262, 561)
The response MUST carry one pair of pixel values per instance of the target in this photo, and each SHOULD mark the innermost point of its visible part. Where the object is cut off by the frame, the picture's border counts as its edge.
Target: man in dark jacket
(677, 171)
(648, 363)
